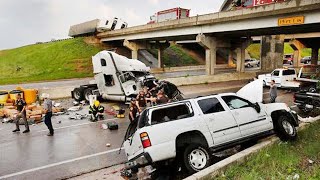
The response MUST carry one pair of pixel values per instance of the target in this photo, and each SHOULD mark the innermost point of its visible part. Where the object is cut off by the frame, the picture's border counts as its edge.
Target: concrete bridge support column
(161, 47)
(134, 47)
(272, 52)
(297, 46)
(314, 55)
(210, 45)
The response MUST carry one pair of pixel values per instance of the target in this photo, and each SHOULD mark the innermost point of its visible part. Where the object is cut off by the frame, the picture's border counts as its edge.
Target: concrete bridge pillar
(272, 52)
(134, 47)
(241, 54)
(315, 55)
(297, 46)
(210, 45)
(161, 47)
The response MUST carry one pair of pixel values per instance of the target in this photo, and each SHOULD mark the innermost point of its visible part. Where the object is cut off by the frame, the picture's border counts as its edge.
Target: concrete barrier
(177, 69)
(191, 80)
(58, 92)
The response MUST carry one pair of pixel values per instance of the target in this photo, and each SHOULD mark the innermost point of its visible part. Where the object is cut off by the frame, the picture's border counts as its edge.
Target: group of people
(146, 98)
(21, 107)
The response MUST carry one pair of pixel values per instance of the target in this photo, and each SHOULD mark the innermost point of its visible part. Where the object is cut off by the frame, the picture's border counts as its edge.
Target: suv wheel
(196, 158)
(285, 129)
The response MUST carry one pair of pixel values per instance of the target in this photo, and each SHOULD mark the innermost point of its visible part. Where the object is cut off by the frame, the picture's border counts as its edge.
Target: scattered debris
(78, 116)
(75, 108)
(310, 161)
(108, 145)
(104, 126)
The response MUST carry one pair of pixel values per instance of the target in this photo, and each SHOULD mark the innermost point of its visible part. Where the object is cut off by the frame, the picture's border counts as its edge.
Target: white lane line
(58, 163)
(76, 125)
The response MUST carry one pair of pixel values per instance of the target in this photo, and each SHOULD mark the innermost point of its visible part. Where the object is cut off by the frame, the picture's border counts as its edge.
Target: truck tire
(285, 129)
(87, 92)
(196, 158)
(78, 94)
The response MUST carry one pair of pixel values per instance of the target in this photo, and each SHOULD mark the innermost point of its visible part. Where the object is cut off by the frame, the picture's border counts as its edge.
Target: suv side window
(275, 73)
(235, 102)
(289, 72)
(171, 113)
(211, 105)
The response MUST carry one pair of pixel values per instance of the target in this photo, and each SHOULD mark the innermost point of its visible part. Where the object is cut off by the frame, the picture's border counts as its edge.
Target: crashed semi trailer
(82, 29)
(116, 78)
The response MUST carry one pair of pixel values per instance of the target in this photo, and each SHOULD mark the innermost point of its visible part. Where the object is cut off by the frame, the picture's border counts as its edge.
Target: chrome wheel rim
(198, 159)
(288, 127)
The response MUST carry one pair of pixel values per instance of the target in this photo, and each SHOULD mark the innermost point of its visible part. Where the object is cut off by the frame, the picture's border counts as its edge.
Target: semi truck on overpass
(96, 26)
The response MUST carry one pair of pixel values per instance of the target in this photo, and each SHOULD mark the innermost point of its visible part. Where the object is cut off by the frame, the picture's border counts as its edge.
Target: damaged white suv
(191, 130)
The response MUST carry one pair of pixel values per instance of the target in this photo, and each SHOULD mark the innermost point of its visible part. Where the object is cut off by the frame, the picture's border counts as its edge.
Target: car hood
(252, 91)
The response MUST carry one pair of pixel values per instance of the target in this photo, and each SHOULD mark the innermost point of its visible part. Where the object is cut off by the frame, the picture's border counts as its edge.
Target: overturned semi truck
(118, 78)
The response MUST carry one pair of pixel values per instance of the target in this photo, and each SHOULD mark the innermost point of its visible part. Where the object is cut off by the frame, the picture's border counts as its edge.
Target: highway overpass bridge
(231, 30)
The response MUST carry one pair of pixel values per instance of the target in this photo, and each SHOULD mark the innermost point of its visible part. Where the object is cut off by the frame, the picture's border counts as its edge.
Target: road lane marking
(76, 125)
(58, 163)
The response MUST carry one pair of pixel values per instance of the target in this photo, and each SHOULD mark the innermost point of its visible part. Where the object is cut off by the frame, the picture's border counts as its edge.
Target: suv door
(250, 121)
(221, 123)
(128, 82)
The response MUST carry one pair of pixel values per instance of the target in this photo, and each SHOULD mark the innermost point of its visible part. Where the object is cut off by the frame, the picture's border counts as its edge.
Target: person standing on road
(21, 107)
(47, 106)
(273, 91)
(133, 110)
(141, 101)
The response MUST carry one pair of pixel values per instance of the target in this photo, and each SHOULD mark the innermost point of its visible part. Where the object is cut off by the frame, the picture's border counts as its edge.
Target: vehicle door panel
(221, 123)
(133, 145)
(249, 120)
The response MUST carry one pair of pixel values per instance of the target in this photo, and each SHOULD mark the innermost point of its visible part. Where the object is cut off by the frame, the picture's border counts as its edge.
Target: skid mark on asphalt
(59, 163)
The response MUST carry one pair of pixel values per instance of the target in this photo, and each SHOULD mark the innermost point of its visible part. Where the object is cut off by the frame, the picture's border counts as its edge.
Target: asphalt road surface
(78, 146)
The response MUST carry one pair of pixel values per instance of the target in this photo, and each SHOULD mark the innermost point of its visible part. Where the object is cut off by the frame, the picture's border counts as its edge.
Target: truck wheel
(78, 94)
(312, 89)
(196, 158)
(285, 129)
(87, 93)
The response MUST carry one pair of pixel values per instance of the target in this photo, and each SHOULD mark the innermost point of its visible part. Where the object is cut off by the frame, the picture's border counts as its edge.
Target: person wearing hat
(47, 108)
(96, 111)
(22, 113)
(133, 110)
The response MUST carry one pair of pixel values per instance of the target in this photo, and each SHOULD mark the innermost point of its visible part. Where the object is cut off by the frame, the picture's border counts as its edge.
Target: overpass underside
(232, 32)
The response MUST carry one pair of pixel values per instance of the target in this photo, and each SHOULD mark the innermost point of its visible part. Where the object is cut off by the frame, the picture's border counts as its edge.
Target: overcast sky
(25, 22)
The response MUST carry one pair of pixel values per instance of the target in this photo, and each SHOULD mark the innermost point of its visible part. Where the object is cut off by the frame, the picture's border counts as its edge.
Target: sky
(25, 22)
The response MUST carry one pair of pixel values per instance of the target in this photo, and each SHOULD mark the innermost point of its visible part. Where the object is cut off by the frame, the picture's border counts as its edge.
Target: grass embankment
(254, 50)
(175, 56)
(50, 61)
(283, 160)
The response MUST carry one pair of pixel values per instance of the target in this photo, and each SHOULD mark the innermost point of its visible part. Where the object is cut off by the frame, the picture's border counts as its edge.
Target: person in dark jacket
(273, 92)
(22, 113)
(96, 111)
(133, 110)
(141, 101)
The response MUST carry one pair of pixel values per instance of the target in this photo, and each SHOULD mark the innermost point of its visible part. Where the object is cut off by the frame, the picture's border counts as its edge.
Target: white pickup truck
(190, 131)
(282, 77)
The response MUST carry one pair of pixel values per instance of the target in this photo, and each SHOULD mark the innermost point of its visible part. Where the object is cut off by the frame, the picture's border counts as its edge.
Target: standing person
(147, 94)
(273, 91)
(133, 110)
(160, 99)
(47, 106)
(21, 107)
(141, 101)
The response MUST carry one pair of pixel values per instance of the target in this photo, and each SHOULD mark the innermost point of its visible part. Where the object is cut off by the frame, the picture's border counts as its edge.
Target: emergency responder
(141, 101)
(133, 110)
(160, 99)
(21, 107)
(96, 111)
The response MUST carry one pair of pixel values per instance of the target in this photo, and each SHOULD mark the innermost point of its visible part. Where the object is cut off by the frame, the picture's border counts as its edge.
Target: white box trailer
(170, 14)
(97, 25)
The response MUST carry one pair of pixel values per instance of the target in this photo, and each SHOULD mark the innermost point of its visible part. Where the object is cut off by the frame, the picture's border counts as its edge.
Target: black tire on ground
(285, 129)
(196, 158)
(78, 94)
(87, 93)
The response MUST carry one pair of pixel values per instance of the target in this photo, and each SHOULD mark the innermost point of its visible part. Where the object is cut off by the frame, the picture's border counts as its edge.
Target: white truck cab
(116, 77)
(190, 131)
(283, 78)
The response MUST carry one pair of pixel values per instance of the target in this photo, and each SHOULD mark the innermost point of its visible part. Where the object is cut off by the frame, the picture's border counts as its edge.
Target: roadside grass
(50, 61)
(282, 160)
(254, 50)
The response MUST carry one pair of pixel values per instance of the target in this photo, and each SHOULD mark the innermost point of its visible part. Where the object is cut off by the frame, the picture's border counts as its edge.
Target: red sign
(264, 2)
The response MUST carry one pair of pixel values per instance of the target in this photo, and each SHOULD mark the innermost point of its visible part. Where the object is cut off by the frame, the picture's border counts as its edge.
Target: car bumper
(141, 160)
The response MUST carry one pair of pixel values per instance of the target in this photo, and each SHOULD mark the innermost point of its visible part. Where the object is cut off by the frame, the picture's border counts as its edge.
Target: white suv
(191, 130)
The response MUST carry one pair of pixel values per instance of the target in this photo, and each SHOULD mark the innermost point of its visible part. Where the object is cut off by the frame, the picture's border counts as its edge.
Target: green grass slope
(50, 61)
(254, 50)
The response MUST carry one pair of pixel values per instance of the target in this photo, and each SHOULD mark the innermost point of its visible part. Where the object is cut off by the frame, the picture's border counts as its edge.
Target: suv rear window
(289, 72)
(171, 113)
(211, 105)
